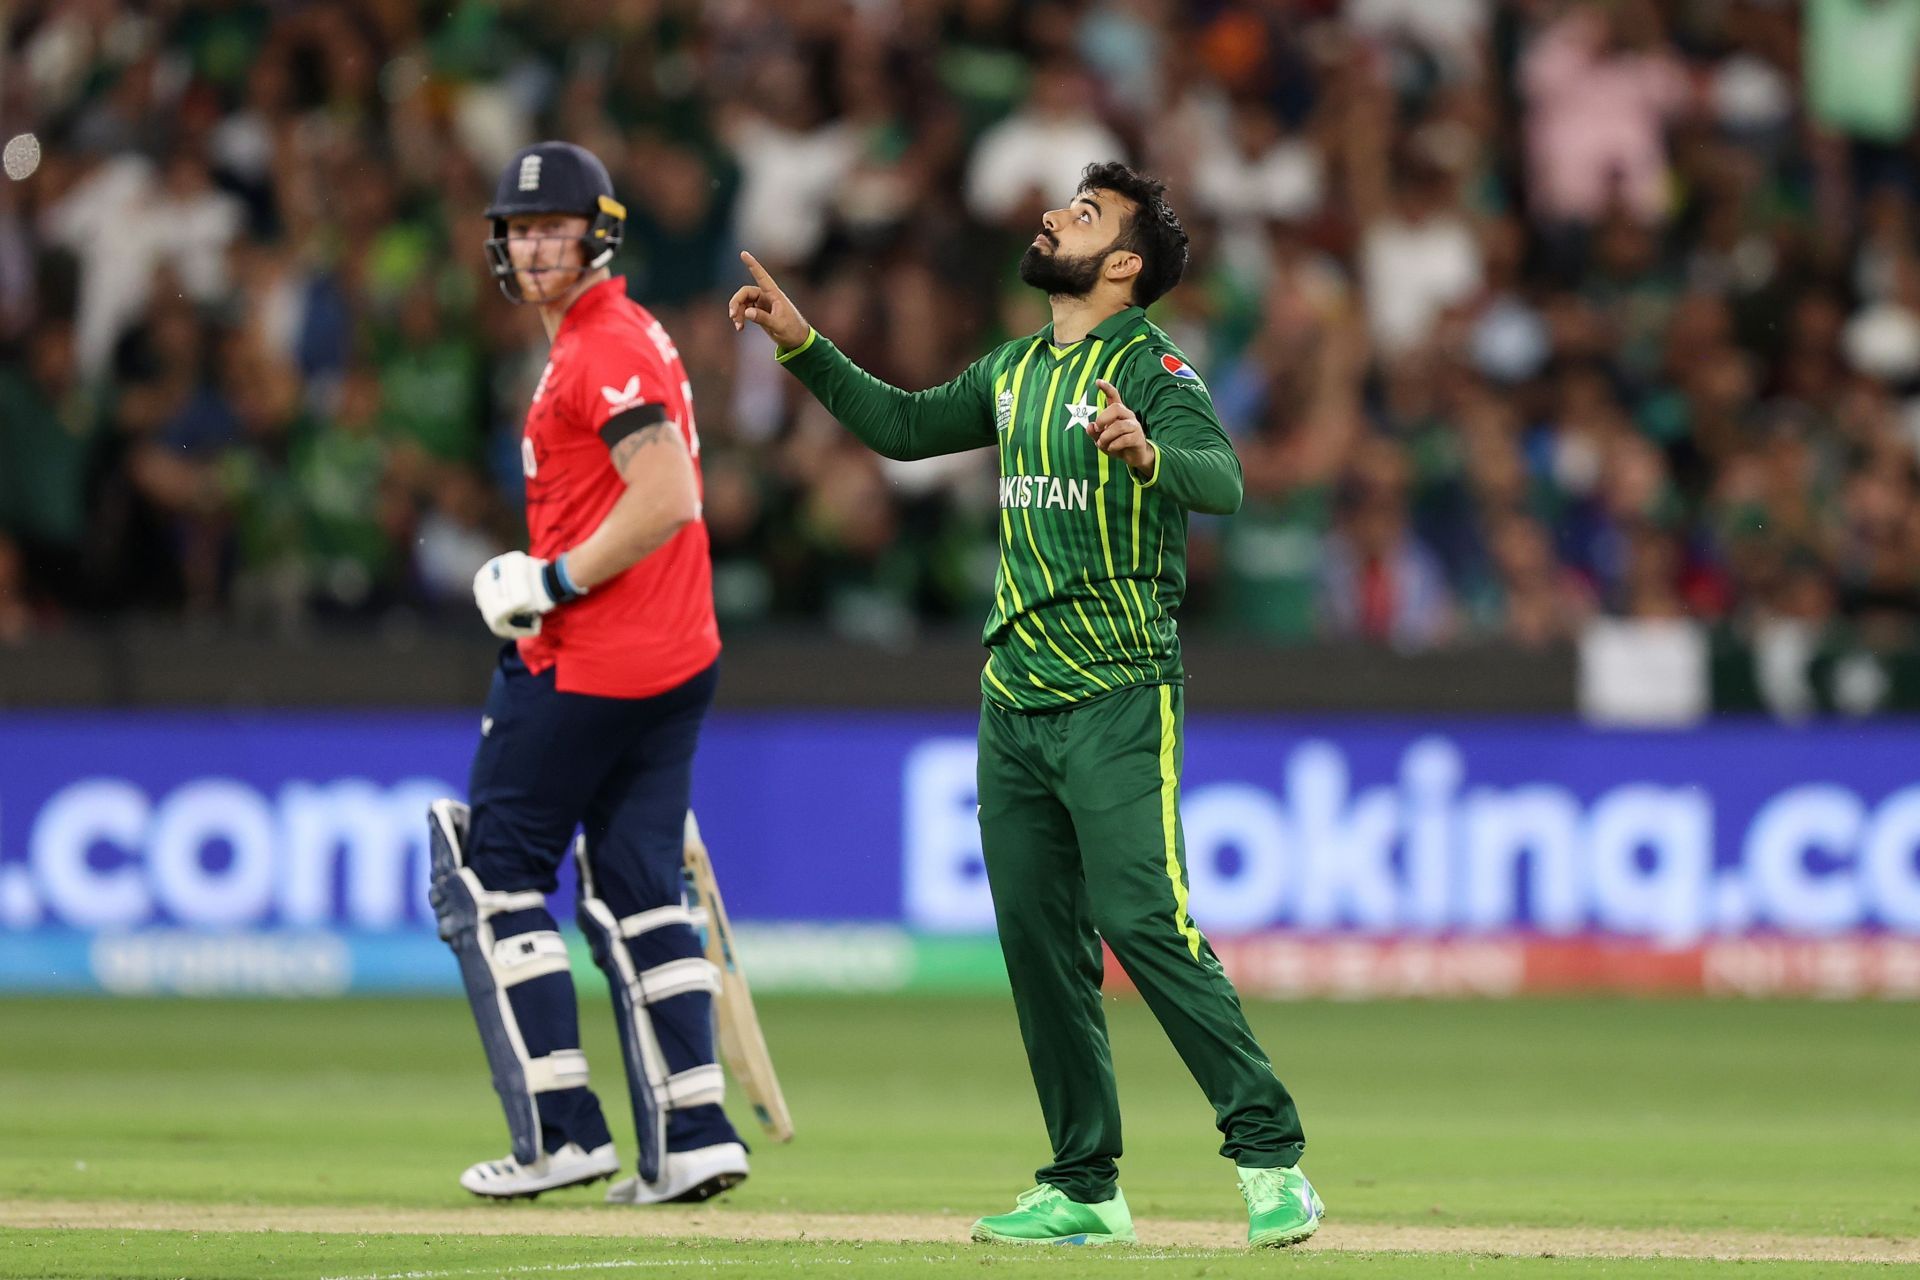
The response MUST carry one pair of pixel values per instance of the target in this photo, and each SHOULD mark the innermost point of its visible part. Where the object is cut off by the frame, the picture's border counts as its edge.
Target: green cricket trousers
(1080, 824)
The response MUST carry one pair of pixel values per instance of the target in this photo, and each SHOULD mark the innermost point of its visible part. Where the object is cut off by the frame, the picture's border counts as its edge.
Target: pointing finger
(1112, 392)
(759, 272)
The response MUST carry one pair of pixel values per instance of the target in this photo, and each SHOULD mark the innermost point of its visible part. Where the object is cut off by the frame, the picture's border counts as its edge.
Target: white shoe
(568, 1167)
(687, 1176)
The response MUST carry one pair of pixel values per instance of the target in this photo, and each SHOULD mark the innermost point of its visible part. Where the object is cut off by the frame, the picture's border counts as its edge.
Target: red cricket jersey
(652, 627)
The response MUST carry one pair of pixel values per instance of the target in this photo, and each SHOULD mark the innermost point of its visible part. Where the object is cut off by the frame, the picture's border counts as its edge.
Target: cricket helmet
(555, 177)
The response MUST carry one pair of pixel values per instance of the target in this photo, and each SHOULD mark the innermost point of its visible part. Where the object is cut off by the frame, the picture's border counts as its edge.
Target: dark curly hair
(1154, 231)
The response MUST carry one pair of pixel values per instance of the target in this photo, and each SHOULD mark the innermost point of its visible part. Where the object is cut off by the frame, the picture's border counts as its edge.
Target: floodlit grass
(1717, 1119)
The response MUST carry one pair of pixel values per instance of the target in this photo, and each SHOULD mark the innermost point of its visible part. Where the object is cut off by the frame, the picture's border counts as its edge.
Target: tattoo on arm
(628, 433)
(632, 443)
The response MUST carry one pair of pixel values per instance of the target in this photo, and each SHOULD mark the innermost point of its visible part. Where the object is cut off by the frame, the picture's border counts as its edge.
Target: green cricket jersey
(1093, 557)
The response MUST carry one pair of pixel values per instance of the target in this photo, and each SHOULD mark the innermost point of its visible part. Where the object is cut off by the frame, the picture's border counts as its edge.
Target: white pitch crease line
(617, 1264)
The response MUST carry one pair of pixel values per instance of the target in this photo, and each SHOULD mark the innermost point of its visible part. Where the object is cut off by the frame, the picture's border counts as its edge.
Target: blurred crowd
(1519, 311)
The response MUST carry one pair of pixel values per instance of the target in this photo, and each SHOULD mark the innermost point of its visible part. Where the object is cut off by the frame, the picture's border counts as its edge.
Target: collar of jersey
(591, 301)
(1107, 330)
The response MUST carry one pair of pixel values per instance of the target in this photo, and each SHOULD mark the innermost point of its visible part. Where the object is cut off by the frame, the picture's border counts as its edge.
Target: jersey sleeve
(618, 386)
(1194, 462)
(951, 418)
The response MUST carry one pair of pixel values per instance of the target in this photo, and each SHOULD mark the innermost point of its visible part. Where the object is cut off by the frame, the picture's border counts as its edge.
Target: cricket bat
(742, 1046)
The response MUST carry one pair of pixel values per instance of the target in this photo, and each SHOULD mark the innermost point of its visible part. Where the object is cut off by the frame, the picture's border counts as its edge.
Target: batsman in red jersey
(591, 725)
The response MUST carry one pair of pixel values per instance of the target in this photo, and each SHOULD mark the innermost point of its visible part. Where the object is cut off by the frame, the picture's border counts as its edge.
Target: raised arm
(950, 418)
(1174, 442)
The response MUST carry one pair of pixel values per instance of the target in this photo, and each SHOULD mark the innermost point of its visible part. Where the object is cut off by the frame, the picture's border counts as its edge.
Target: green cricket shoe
(1044, 1215)
(1282, 1207)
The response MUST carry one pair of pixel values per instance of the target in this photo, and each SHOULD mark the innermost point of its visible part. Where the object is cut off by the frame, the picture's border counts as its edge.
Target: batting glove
(515, 590)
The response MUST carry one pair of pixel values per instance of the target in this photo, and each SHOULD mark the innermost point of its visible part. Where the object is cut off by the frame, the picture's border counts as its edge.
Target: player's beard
(551, 284)
(1057, 273)
(552, 281)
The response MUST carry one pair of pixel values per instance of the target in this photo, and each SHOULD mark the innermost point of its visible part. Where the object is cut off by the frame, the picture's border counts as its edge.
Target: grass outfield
(1448, 1139)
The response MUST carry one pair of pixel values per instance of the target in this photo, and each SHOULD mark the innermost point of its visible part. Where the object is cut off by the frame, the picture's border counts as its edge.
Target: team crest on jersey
(1003, 412)
(1178, 368)
(623, 397)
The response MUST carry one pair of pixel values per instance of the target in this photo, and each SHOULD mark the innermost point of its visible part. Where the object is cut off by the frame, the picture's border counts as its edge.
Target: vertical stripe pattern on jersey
(1080, 605)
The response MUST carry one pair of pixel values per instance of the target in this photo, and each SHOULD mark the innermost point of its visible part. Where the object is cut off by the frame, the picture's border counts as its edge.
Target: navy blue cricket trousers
(621, 769)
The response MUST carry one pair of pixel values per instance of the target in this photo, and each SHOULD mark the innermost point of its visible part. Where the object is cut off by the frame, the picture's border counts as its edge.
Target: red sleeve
(613, 378)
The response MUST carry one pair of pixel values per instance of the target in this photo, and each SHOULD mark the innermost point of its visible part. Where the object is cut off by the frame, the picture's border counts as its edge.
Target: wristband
(558, 582)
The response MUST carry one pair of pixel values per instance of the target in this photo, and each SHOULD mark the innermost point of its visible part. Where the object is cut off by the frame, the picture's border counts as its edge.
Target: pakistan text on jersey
(1032, 492)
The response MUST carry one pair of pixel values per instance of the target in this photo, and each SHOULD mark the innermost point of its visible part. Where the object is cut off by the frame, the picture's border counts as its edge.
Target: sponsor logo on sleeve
(620, 398)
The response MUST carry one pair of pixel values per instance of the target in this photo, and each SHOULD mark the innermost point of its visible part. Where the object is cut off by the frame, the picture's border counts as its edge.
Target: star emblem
(1082, 415)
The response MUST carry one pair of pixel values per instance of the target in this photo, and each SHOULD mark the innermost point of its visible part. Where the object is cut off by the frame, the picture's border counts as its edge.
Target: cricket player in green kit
(1106, 439)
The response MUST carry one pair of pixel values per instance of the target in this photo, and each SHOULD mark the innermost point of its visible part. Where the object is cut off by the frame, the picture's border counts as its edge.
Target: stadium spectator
(1517, 310)
(1019, 164)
